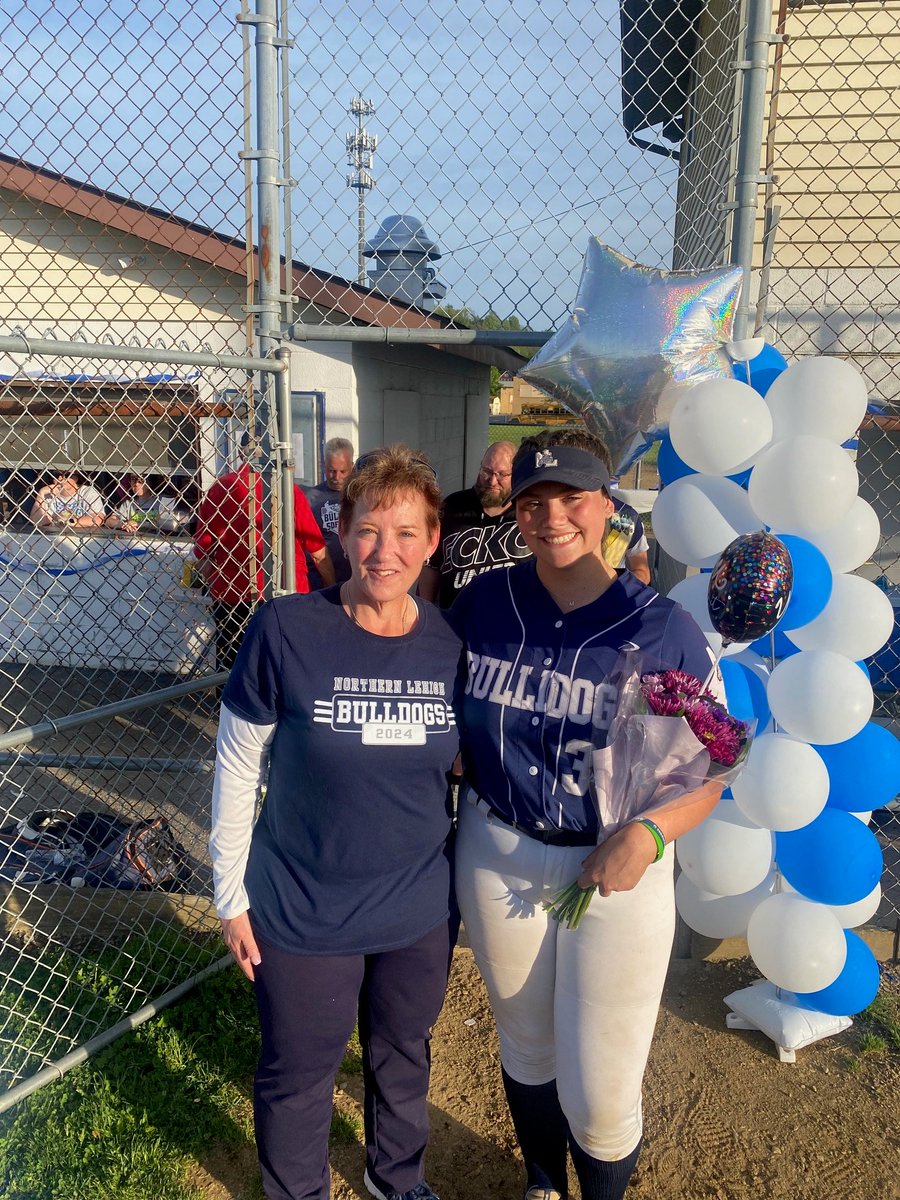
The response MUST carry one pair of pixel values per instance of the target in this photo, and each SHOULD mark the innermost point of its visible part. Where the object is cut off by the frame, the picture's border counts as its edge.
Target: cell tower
(360, 149)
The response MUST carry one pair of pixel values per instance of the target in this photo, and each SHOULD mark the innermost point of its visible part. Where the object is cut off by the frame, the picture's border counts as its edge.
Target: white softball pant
(578, 1006)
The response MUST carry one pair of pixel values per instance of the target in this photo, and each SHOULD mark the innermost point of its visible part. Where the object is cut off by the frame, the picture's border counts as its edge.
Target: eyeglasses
(501, 475)
(376, 455)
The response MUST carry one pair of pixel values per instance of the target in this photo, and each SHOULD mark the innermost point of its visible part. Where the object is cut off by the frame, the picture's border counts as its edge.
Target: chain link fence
(829, 258)
(137, 530)
(483, 145)
(449, 162)
(125, 585)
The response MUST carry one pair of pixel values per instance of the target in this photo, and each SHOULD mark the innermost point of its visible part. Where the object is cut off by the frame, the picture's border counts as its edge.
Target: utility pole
(360, 149)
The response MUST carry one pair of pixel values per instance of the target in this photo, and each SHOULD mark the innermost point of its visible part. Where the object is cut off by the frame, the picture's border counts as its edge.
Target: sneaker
(542, 1193)
(420, 1192)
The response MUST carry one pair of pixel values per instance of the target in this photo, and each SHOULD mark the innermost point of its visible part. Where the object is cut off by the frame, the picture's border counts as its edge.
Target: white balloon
(697, 516)
(802, 483)
(783, 785)
(726, 853)
(756, 663)
(797, 944)
(852, 915)
(852, 540)
(718, 916)
(718, 426)
(819, 696)
(825, 395)
(857, 620)
(692, 594)
(865, 817)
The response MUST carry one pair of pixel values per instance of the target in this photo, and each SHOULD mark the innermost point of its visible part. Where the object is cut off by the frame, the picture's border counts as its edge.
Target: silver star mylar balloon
(634, 330)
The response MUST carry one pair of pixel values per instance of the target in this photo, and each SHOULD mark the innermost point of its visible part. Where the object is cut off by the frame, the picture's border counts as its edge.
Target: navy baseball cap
(559, 464)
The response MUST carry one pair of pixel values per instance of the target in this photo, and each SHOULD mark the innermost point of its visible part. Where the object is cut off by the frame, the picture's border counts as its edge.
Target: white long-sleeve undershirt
(242, 756)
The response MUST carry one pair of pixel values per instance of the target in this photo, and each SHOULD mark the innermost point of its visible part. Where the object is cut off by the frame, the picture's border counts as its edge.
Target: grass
(872, 1043)
(512, 433)
(879, 1030)
(134, 1121)
(345, 1128)
(882, 1020)
(52, 999)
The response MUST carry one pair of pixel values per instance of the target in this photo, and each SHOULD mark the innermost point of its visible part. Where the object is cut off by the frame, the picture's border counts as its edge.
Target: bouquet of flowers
(668, 737)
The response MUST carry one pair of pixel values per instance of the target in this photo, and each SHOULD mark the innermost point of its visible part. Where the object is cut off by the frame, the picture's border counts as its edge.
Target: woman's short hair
(382, 476)
(575, 436)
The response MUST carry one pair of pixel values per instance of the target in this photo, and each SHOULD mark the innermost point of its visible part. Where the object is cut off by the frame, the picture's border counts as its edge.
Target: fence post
(268, 306)
(749, 153)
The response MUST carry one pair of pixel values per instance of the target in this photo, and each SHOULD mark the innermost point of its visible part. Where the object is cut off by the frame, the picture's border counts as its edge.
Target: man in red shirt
(223, 548)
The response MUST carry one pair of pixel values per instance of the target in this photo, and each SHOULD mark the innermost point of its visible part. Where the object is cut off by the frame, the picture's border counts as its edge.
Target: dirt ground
(725, 1120)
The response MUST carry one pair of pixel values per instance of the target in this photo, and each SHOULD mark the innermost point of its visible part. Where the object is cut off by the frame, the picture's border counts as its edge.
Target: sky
(499, 126)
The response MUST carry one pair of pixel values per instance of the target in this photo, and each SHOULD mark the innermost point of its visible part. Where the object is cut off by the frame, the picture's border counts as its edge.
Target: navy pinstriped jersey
(536, 700)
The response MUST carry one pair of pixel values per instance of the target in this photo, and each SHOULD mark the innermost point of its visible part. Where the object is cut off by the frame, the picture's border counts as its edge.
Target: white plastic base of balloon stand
(776, 1013)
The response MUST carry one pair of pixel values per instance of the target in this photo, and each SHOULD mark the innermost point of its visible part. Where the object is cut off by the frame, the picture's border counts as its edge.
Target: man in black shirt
(478, 530)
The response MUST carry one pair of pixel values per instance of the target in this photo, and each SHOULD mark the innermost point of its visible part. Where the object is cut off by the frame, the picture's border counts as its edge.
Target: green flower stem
(570, 904)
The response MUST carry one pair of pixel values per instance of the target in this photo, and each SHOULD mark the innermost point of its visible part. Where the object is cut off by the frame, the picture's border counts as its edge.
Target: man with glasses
(478, 530)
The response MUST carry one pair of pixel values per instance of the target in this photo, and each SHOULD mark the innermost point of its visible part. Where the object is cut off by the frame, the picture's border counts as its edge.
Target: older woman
(575, 1009)
(336, 903)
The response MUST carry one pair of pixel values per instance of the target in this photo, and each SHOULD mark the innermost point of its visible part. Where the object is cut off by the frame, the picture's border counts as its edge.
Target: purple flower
(665, 705)
(721, 734)
(679, 694)
(681, 682)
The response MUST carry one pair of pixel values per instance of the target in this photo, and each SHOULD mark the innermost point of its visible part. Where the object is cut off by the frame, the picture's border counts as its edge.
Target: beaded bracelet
(657, 835)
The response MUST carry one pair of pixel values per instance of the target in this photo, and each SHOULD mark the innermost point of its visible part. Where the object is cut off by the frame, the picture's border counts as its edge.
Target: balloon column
(783, 859)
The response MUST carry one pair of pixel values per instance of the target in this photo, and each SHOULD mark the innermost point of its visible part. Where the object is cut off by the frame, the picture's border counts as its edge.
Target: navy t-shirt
(536, 700)
(349, 855)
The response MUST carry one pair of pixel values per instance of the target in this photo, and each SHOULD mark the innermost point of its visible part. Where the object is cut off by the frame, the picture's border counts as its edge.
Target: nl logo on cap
(543, 458)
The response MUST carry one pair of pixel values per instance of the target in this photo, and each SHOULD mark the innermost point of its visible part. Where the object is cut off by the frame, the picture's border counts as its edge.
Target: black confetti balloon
(749, 587)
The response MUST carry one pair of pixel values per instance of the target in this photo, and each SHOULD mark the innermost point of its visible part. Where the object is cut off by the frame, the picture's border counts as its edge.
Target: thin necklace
(345, 595)
(588, 594)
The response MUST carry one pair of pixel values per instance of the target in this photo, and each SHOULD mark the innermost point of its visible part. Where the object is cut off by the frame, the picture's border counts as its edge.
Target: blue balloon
(884, 664)
(668, 464)
(856, 986)
(742, 479)
(783, 647)
(745, 693)
(764, 369)
(864, 771)
(812, 583)
(834, 860)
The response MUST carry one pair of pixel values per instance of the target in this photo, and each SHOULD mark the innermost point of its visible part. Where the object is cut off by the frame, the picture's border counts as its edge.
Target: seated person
(143, 509)
(68, 502)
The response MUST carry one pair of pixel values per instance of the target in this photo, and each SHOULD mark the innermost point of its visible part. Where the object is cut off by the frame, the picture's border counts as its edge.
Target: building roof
(658, 45)
(194, 241)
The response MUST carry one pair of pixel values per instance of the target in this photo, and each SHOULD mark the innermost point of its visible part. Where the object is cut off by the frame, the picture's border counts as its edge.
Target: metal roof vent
(402, 250)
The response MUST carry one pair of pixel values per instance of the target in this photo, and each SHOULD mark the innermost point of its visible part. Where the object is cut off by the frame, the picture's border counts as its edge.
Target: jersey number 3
(577, 779)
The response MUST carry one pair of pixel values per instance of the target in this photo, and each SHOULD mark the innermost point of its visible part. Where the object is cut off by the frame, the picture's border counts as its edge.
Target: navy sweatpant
(308, 1005)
